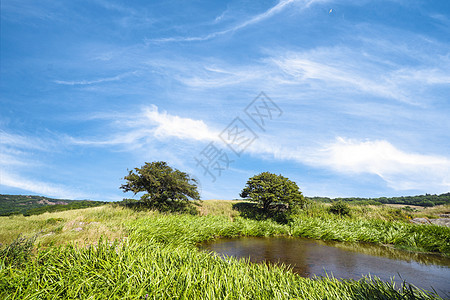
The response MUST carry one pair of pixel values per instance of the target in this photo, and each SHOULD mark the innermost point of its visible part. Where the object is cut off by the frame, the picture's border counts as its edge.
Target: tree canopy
(166, 188)
(268, 189)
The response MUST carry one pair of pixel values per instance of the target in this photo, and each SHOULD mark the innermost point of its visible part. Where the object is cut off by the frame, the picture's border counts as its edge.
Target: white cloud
(280, 6)
(174, 126)
(14, 180)
(401, 170)
(38, 187)
(150, 124)
(366, 78)
(342, 69)
(214, 76)
(100, 80)
(19, 141)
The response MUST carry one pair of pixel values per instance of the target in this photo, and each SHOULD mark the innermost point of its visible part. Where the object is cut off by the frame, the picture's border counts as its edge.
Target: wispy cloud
(220, 17)
(18, 153)
(22, 10)
(335, 71)
(280, 6)
(17, 141)
(332, 68)
(95, 81)
(149, 124)
(216, 76)
(401, 170)
(38, 187)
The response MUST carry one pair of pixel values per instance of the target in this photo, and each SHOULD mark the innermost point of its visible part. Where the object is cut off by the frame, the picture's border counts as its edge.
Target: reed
(157, 270)
(149, 255)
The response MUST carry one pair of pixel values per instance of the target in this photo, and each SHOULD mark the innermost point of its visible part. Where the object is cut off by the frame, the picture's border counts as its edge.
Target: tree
(167, 188)
(268, 189)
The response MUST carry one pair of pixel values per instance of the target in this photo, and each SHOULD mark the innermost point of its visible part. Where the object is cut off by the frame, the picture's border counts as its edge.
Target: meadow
(118, 253)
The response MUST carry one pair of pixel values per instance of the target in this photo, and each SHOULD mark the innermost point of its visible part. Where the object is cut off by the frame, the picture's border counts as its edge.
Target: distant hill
(34, 205)
(421, 200)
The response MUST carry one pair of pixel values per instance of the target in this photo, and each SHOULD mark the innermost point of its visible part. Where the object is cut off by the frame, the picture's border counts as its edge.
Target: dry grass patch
(433, 212)
(218, 208)
(81, 226)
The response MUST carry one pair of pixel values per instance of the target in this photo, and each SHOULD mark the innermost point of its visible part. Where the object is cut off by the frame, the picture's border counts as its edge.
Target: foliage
(157, 271)
(340, 208)
(18, 252)
(273, 192)
(426, 200)
(159, 260)
(167, 189)
(366, 224)
(255, 212)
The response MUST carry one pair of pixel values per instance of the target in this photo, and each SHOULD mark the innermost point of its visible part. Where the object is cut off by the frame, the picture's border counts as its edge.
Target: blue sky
(355, 95)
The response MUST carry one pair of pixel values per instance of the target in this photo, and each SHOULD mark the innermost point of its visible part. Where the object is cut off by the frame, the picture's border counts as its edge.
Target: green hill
(421, 200)
(33, 205)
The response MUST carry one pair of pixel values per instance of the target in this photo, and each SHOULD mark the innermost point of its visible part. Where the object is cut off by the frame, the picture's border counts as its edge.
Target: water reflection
(342, 260)
(390, 252)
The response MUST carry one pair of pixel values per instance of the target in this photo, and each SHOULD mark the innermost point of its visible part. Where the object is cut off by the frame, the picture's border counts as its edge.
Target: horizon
(235, 199)
(347, 99)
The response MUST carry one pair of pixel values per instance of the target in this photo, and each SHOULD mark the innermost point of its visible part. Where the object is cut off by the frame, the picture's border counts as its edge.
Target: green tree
(167, 189)
(268, 189)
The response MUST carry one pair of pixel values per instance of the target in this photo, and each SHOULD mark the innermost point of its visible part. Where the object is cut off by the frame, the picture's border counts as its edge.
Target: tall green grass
(420, 238)
(156, 270)
(159, 258)
(187, 229)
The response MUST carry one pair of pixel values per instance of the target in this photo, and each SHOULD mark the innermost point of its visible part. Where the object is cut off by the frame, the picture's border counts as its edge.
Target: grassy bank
(157, 271)
(379, 225)
(154, 254)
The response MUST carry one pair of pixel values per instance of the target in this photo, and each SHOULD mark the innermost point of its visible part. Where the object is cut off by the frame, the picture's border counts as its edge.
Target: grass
(156, 271)
(154, 254)
(218, 208)
(81, 226)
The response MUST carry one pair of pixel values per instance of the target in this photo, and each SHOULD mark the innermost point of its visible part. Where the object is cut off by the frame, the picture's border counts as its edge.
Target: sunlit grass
(159, 257)
(165, 269)
(218, 208)
(86, 226)
(81, 226)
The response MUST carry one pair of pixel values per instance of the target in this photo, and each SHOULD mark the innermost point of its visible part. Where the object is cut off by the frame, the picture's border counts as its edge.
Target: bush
(18, 252)
(340, 208)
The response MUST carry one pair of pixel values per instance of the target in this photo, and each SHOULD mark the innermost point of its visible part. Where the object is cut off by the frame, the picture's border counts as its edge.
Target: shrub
(18, 252)
(340, 208)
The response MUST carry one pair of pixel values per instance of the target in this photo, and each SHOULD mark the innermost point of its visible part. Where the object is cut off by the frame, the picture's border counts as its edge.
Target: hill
(33, 205)
(426, 200)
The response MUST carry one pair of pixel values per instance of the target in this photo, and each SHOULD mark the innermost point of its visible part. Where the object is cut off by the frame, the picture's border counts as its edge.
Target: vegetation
(340, 208)
(34, 205)
(167, 189)
(18, 252)
(269, 189)
(422, 200)
(157, 271)
(121, 253)
(155, 258)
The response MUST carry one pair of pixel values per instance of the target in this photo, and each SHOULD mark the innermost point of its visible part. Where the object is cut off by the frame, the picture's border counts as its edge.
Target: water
(342, 260)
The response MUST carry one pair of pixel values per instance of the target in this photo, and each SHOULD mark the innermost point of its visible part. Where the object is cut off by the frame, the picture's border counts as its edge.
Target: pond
(342, 260)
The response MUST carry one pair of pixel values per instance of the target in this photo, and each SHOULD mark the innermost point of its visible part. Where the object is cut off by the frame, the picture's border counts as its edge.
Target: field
(117, 253)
